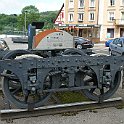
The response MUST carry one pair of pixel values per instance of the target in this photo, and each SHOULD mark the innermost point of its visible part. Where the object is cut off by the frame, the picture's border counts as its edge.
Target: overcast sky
(15, 6)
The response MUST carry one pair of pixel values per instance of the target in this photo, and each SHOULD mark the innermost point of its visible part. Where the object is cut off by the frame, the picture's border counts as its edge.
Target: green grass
(71, 97)
(121, 106)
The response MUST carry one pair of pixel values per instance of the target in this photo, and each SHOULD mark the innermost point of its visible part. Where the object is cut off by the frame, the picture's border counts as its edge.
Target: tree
(8, 22)
(32, 14)
(48, 17)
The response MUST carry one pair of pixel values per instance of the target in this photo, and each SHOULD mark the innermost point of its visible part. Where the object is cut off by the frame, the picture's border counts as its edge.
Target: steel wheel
(15, 53)
(12, 89)
(74, 52)
(90, 79)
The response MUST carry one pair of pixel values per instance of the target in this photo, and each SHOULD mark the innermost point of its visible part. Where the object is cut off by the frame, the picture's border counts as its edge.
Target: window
(115, 41)
(80, 17)
(122, 2)
(92, 3)
(92, 16)
(122, 16)
(110, 33)
(112, 2)
(71, 17)
(71, 3)
(111, 16)
(81, 3)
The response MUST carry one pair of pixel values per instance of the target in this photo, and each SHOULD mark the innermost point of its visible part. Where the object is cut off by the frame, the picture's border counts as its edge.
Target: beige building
(111, 19)
(81, 18)
(99, 20)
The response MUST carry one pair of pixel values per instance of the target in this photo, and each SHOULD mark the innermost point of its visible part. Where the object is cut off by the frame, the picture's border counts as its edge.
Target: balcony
(118, 22)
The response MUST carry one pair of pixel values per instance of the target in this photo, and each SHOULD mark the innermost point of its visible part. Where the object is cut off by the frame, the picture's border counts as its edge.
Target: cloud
(48, 7)
(15, 6)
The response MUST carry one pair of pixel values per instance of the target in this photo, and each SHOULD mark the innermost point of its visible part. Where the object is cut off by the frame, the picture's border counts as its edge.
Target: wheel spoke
(88, 80)
(92, 90)
(102, 91)
(16, 91)
(26, 98)
(13, 91)
(94, 93)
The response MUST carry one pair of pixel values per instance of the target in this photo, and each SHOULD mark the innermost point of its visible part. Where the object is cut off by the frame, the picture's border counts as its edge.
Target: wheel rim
(13, 91)
(105, 92)
(74, 52)
(9, 84)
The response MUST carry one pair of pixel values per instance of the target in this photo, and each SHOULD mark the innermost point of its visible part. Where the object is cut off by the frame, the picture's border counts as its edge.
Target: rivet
(63, 60)
(68, 60)
(32, 63)
(76, 60)
(9, 64)
(20, 66)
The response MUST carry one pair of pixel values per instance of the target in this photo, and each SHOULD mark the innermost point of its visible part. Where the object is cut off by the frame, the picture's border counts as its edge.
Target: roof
(59, 12)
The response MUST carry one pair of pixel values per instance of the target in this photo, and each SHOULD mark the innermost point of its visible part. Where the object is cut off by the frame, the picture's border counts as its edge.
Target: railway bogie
(31, 79)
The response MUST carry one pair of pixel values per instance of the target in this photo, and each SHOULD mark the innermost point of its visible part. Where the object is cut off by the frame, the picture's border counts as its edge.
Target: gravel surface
(101, 116)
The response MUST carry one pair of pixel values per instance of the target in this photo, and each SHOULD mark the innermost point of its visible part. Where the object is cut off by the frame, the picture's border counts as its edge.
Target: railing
(118, 21)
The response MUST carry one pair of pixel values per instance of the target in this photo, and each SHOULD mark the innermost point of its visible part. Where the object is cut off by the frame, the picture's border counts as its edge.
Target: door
(113, 47)
(121, 32)
(119, 49)
(80, 32)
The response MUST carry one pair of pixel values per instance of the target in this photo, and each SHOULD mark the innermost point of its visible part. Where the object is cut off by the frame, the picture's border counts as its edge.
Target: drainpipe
(98, 17)
(98, 12)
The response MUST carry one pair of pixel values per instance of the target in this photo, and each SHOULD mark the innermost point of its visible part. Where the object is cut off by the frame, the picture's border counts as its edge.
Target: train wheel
(95, 93)
(74, 52)
(15, 53)
(12, 89)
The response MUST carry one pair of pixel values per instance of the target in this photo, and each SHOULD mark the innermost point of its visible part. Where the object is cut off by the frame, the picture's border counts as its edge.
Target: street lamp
(25, 20)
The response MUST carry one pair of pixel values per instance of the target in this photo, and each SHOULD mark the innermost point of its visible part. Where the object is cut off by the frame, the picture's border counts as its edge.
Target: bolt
(20, 66)
(9, 64)
(59, 61)
(33, 88)
(63, 60)
(76, 60)
(32, 63)
(97, 63)
(68, 60)
(20, 62)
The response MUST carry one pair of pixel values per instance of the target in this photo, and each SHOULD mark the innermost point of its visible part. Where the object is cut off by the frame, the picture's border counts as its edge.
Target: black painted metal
(74, 69)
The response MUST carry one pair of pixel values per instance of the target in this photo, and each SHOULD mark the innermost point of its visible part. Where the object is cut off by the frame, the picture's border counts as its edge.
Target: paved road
(100, 48)
(14, 46)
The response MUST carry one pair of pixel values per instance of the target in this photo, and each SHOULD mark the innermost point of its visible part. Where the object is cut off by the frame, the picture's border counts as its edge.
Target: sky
(15, 6)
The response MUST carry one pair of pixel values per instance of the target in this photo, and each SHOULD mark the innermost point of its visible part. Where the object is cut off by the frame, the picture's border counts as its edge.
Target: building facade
(81, 18)
(111, 19)
(98, 20)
